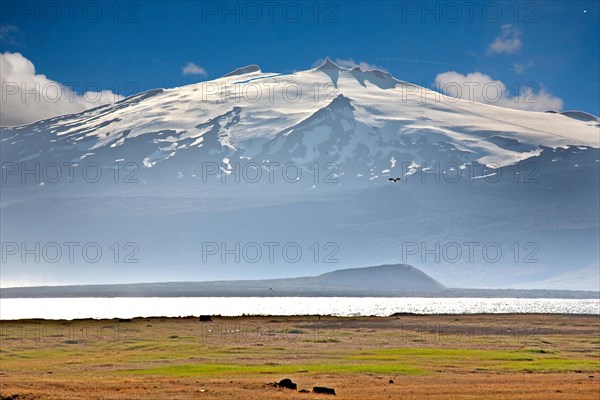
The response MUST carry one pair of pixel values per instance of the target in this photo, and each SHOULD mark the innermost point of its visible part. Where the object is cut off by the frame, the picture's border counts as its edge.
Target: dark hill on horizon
(392, 280)
(396, 280)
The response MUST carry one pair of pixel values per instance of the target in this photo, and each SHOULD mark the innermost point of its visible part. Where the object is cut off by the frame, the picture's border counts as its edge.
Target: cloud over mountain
(28, 96)
(192, 69)
(507, 42)
(482, 88)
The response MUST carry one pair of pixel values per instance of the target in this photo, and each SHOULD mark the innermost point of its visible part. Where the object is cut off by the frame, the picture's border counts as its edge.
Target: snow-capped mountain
(331, 113)
(306, 158)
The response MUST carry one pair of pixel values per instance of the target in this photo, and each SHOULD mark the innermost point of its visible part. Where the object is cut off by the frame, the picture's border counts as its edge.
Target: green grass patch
(191, 370)
(553, 365)
(527, 360)
(441, 354)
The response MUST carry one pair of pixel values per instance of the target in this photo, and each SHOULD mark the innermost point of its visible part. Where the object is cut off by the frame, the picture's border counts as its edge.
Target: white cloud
(28, 97)
(508, 41)
(350, 63)
(192, 69)
(6, 33)
(481, 88)
(521, 68)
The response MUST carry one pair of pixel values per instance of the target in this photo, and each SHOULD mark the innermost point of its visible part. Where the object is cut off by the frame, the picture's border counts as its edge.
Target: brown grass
(428, 357)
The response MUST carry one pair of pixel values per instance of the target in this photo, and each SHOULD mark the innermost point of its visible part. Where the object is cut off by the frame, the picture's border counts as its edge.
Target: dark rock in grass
(391, 381)
(205, 318)
(287, 383)
(304, 391)
(323, 390)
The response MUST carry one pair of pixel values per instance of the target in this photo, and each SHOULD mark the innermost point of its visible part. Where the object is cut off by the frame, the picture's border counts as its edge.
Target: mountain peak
(328, 64)
(341, 100)
(243, 70)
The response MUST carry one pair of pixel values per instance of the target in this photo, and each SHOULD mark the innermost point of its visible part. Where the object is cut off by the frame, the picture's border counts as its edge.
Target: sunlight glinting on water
(74, 308)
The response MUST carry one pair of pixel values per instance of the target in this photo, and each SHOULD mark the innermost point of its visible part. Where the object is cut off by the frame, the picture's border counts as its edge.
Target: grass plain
(521, 356)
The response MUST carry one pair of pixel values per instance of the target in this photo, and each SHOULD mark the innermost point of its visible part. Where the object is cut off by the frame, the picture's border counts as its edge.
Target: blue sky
(553, 46)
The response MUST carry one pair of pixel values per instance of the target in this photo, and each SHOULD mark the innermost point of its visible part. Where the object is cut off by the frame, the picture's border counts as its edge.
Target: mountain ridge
(266, 109)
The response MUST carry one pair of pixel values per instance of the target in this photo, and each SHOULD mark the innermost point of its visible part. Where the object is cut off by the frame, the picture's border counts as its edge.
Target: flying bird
(395, 179)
